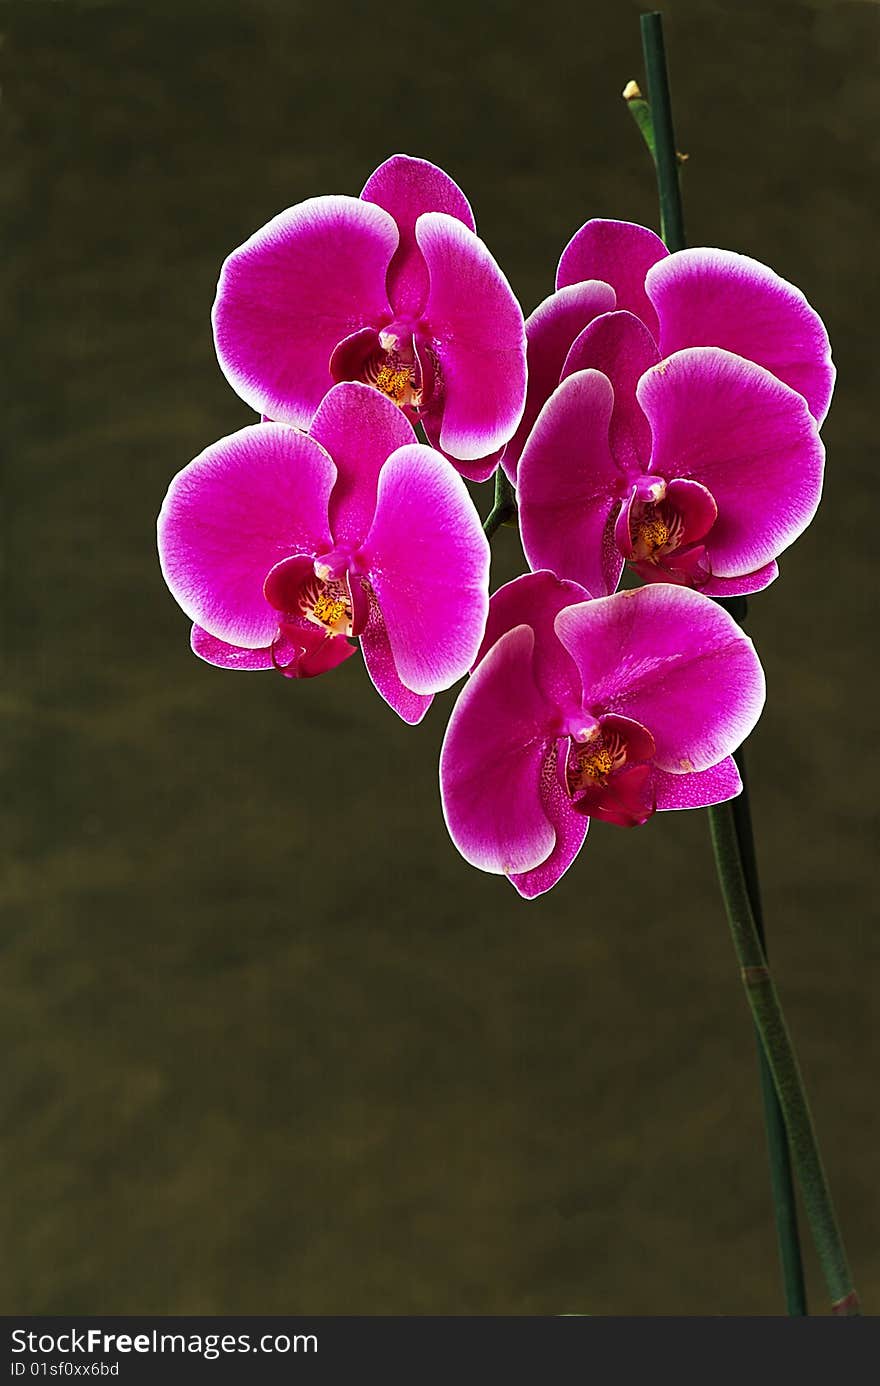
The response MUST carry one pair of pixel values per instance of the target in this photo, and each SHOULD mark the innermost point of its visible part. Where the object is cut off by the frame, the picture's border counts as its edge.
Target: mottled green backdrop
(269, 1044)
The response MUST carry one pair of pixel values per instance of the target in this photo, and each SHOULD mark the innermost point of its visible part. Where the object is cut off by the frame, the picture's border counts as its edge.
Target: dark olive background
(270, 1045)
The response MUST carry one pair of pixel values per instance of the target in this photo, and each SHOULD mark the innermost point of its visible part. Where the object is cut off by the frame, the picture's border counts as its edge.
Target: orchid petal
(310, 277)
(379, 659)
(621, 347)
(674, 661)
(241, 506)
(569, 487)
(534, 600)
(619, 252)
(741, 586)
(406, 188)
(569, 826)
(359, 428)
(428, 563)
(478, 469)
(494, 752)
(478, 333)
(550, 331)
(225, 656)
(708, 297)
(698, 789)
(731, 425)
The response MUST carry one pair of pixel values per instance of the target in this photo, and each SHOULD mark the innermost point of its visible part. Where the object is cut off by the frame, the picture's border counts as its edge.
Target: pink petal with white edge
(569, 826)
(225, 656)
(243, 505)
(569, 488)
(699, 789)
(619, 252)
(550, 331)
(491, 762)
(718, 298)
(673, 660)
(308, 278)
(383, 671)
(741, 586)
(359, 428)
(534, 600)
(621, 347)
(480, 469)
(748, 438)
(477, 330)
(427, 560)
(406, 188)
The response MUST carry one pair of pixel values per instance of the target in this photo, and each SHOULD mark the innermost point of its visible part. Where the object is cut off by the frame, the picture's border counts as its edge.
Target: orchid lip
(609, 775)
(403, 367)
(300, 593)
(664, 535)
(395, 358)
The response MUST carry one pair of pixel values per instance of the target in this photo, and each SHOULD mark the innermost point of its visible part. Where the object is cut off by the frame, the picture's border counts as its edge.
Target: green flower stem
(661, 143)
(503, 512)
(781, 1057)
(784, 1204)
(660, 113)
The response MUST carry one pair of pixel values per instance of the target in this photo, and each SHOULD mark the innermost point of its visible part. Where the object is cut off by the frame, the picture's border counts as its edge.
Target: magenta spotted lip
(612, 708)
(282, 546)
(393, 289)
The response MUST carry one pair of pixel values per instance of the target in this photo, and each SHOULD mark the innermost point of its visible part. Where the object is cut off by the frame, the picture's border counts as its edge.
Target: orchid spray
(658, 414)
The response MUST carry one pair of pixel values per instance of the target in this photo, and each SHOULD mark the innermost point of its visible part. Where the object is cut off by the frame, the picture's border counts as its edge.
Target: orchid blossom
(280, 545)
(393, 289)
(699, 297)
(700, 472)
(576, 709)
(700, 462)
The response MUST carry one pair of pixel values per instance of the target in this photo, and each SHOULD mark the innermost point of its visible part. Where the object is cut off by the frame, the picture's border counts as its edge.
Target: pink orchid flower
(701, 473)
(393, 289)
(280, 545)
(699, 297)
(698, 466)
(609, 708)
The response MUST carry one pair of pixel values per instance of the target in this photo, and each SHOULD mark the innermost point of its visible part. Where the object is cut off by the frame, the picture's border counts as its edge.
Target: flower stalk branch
(641, 114)
(658, 117)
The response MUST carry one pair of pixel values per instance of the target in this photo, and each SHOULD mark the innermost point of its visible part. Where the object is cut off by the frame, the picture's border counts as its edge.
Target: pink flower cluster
(658, 411)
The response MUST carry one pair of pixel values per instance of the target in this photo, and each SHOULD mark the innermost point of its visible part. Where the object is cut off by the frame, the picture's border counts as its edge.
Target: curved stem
(658, 116)
(778, 1048)
(782, 1187)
